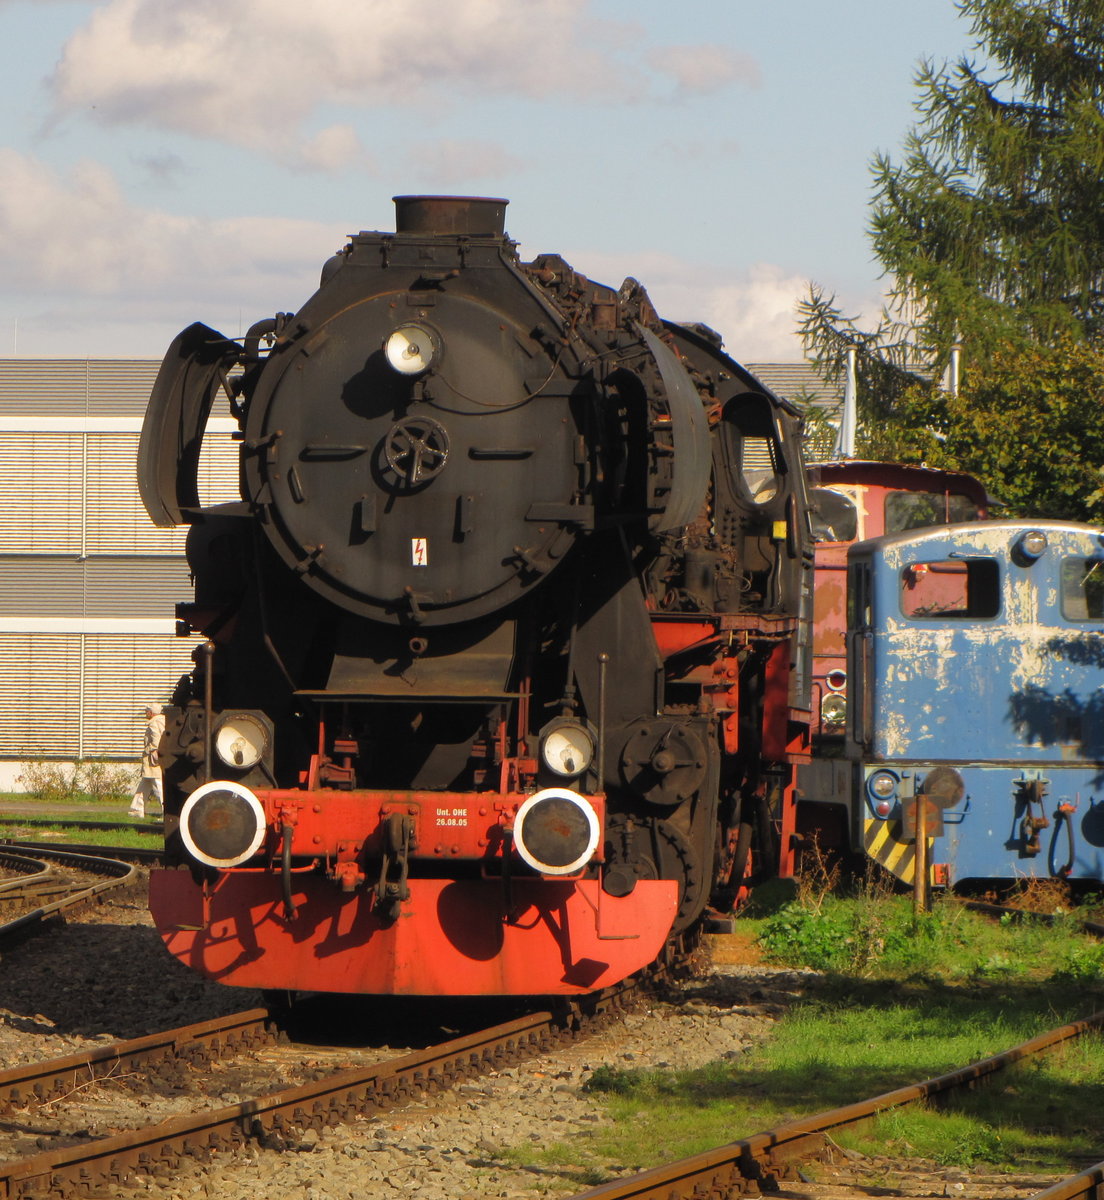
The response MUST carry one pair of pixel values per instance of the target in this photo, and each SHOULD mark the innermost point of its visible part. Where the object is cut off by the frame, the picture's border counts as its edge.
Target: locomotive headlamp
(882, 784)
(240, 740)
(833, 709)
(566, 747)
(412, 349)
(1032, 544)
(556, 831)
(222, 824)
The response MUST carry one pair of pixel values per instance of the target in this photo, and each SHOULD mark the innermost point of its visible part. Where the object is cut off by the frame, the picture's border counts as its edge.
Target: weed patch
(93, 779)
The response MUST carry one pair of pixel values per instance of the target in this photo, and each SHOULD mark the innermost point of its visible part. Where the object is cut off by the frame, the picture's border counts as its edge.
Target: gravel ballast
(105, 976)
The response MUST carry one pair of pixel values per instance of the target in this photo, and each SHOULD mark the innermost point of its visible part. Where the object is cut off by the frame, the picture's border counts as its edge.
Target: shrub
(822, 938)
(89, 778)
(1082, 964)
(51, 781)
(103, 780)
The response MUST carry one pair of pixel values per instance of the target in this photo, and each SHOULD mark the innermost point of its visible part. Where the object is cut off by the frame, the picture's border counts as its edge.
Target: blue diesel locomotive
(976, 661)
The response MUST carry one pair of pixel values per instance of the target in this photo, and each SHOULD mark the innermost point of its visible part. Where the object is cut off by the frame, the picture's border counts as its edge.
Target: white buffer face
(556, 831)
(222, 824)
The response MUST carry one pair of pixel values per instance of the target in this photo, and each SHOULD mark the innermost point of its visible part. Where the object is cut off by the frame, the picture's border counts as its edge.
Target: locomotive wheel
(654, 849)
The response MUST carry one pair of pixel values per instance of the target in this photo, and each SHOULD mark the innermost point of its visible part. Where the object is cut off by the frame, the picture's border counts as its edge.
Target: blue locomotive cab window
(919, 510)
(1083, 589)
(835, 518)
(954, 589)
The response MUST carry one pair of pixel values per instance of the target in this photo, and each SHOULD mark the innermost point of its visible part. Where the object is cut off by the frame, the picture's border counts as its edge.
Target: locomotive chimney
(473, 216)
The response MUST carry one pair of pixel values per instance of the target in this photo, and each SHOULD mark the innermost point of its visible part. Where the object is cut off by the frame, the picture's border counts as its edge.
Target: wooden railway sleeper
(277, 1129)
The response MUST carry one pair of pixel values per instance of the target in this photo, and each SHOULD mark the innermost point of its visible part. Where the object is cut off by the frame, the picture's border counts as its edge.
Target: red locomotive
(506, 659)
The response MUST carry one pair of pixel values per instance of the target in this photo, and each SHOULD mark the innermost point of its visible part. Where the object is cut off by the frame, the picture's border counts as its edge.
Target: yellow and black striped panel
(880, 840)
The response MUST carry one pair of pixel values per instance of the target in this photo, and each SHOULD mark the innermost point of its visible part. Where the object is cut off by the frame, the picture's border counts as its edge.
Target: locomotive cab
(985, 637)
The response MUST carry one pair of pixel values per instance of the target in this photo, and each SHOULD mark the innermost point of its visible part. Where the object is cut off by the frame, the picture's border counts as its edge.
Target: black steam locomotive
(505, 650)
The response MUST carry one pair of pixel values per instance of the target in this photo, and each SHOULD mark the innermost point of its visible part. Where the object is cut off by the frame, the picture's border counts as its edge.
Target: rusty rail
(1024, 914)
(30, 871)
(112, 1161)
(120, 874)
(1089, 1185)
(138, 854)
(198, 1043)
(739, 1167)
(268, 1120)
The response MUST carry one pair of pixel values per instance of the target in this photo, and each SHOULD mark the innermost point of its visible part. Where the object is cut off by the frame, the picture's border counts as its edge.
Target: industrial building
(88, 585)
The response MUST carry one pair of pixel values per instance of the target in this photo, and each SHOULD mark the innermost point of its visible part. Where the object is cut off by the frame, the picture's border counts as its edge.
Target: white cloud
(756, 314)
(79, 256)
(89, 272)
(702, 69)
(754, 310)
(332, 149)
(254, 72)
(450, 163)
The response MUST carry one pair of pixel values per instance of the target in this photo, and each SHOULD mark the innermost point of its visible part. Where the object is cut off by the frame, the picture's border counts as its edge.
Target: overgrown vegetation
(901, 997)
(88, 779)
(867, 935)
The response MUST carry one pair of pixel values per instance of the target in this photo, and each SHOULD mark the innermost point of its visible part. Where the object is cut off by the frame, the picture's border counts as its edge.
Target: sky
(168, 161)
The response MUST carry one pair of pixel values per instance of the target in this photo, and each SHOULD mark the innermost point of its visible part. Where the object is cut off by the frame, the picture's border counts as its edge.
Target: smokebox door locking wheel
(416, 449)
(664, 762)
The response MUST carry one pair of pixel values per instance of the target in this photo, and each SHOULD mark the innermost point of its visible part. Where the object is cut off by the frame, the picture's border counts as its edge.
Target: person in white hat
(150, 782)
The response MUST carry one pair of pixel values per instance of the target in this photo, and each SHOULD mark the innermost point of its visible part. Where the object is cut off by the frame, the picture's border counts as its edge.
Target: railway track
(1093, 928)
(132, 854)
(762, 1162)
(272, 1120)
(51, 884)
(199, 1044)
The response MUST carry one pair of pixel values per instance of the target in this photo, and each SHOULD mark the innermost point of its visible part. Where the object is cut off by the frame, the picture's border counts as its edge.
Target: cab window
(1083, 589)
(951, 589)
(918, 510)
(835, 518)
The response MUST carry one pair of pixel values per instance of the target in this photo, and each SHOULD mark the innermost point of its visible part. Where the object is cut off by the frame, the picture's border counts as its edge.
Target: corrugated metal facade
(40, 586)
(87, 584)
(72, 386)
(81, 695)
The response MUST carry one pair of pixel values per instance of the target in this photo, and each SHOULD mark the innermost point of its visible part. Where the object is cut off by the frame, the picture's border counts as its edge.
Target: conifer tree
(992, 226)
(991, 232)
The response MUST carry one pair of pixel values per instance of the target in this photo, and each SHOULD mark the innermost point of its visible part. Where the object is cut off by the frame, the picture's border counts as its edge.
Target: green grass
(878, 936)
(127, 838)
(830, 1052)
(902, 999)
(82, 800)
(45, 829)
